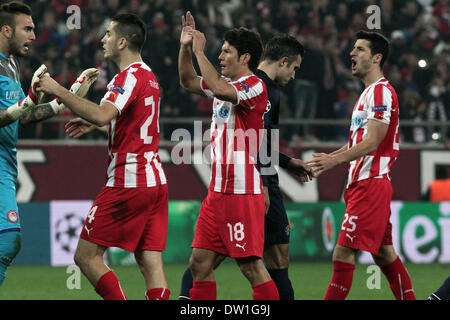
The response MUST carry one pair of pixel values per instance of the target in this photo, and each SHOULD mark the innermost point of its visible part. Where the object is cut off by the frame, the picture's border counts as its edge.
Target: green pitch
(310, 281)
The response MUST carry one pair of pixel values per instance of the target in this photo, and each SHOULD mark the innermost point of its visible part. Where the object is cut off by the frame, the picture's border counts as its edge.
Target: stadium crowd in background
(418, 66)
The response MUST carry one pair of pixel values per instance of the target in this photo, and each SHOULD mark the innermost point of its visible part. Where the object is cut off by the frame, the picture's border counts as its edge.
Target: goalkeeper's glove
(27, 104)
(79, 88)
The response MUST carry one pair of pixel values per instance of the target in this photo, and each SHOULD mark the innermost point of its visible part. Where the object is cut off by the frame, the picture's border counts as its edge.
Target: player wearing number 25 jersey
(377, 102)
(371, 151)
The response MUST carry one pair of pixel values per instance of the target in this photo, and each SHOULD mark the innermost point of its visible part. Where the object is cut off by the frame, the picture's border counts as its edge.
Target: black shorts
(276, 225)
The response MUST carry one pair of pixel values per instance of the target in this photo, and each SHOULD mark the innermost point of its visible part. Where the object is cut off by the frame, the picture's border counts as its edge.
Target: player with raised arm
(282, 57)
(16, 36)
(131, 210)
(231, 218)
(371, 151)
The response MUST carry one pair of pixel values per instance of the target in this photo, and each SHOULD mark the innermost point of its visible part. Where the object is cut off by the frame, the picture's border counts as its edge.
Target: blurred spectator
(439, 189)
(213, 44)
(413, 108)
(344, 110)
(342, 19)
(419, 60)
(436, 109)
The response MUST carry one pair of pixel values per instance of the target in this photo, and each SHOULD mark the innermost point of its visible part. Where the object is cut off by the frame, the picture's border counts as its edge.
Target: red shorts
(366, 224)
(231, 224)
(129, 218)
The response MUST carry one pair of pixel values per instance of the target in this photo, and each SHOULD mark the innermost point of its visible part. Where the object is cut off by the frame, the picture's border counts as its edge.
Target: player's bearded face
(361, 58)
(112, 52)
(362, 68)
(22, 36)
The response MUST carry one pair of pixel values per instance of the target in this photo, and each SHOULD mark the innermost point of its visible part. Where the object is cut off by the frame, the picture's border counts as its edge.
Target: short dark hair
(9, 11)
(246, 41)
(283, 46)
(132, 28)
(378, 43)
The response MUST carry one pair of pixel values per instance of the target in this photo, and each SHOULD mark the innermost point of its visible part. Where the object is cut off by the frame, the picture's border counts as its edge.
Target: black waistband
(10, 230)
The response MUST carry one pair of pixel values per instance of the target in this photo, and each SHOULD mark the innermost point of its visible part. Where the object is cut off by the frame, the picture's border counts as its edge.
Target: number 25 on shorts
(351, 223)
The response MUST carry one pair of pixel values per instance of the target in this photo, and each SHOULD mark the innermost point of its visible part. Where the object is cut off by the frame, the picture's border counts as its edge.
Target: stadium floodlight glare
(422, 63)
(435, 136)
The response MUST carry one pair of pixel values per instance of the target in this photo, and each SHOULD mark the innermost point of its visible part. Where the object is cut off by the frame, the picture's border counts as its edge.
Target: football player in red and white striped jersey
(131, 211)
(231, 219)
(371, 151)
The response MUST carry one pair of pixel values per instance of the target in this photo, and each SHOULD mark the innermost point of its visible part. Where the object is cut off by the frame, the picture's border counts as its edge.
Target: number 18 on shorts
(232, 225)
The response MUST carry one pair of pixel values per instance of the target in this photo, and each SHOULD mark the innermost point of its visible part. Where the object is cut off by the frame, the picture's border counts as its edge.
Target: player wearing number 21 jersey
(133, 136)
(131, 210)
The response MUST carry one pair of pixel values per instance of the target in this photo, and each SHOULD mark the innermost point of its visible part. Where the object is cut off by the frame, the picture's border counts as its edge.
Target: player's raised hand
(188, 21)
(188, 24)
(79, 88)
(198, 41)
(35, 96)
(84, 81)
(78, 127)
(48, 85)
(18, 110)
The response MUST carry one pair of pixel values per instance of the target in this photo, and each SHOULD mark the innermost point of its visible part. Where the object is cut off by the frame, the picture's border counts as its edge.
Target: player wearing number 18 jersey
(231, 218)
(131, 211)
(372, 149)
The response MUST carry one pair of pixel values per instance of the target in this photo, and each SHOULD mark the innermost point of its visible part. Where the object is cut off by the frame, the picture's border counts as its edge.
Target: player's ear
(123, 43)
(376, 59)
(7, 31)
(245, 58)
(284, 61)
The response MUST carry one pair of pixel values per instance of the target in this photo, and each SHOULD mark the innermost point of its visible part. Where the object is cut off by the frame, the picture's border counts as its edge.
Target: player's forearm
(220, 88)
(5, 118)
(284, 160)
(357, 151)
(342, 149)
(40, 113)
(186, 69)
(85, 109)
(376, 131)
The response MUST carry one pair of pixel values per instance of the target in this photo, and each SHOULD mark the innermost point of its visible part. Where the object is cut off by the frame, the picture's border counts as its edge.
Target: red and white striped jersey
(236, 133)
(134, 134)
(378, 102)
